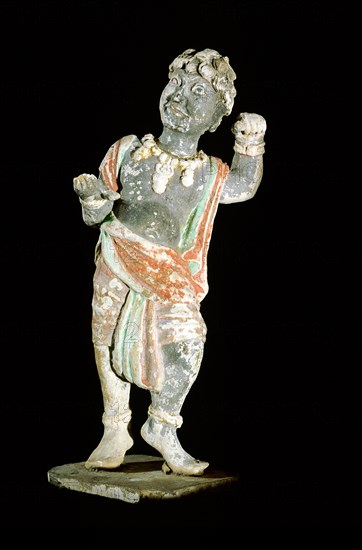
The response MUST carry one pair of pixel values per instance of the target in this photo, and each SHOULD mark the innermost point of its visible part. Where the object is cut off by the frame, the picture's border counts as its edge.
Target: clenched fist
(249, 130)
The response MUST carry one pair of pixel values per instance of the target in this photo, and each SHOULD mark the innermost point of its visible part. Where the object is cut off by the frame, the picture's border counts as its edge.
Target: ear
(220, 112)
(216, 125)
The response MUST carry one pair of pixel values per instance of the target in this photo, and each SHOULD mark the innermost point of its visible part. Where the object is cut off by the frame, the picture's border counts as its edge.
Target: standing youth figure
(154, 202)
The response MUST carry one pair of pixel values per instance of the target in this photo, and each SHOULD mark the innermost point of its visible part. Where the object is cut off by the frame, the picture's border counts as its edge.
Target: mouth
(176, 110)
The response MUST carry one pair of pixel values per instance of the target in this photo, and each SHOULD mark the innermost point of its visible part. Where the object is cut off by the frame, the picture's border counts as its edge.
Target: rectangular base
(139, 477)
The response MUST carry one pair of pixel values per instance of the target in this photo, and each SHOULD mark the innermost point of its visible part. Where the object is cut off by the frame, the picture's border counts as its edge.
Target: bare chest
(159, 217)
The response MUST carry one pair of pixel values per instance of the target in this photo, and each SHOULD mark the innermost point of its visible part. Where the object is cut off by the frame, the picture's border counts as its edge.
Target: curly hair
(213, 67)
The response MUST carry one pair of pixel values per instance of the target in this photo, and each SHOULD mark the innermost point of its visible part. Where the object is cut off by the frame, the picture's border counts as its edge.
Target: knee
(191, 352)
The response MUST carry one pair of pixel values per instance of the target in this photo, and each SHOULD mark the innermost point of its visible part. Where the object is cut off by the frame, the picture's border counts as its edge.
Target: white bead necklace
(167, 163)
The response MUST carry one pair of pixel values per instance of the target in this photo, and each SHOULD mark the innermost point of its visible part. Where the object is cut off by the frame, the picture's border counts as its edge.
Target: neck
(178, 144)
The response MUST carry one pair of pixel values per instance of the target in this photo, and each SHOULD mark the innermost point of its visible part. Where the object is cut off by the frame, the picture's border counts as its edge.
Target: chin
(179, 127)
(172, 123)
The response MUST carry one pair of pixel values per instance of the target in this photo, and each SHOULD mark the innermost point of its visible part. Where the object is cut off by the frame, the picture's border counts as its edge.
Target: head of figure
(200, 92)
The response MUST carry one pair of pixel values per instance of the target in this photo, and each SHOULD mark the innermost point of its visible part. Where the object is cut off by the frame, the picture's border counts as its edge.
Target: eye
(175, 81)
(199, 90)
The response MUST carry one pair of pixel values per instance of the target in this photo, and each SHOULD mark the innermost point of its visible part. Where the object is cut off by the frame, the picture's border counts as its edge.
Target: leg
(182, 362)
(116, 439)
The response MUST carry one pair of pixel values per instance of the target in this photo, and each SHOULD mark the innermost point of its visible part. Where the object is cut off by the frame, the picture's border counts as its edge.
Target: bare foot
(111, 450)
(163, 438)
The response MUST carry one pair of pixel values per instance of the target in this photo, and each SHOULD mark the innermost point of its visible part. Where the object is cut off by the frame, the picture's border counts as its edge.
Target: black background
(276, 400)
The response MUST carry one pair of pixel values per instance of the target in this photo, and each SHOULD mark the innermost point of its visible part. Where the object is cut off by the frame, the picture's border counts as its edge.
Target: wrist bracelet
(250, 150)
(93, 203)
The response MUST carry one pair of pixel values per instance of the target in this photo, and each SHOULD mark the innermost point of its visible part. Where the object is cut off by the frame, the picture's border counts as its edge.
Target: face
(189, 104)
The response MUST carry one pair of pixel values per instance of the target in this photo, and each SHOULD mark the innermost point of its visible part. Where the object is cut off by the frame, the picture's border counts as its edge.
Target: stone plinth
(139, 477)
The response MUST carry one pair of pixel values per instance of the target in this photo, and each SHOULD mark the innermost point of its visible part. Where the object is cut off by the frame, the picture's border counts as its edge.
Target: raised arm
(96, 199)
(246, 169)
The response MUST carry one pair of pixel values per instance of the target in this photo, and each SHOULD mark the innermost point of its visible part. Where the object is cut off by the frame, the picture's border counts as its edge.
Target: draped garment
(147, 295)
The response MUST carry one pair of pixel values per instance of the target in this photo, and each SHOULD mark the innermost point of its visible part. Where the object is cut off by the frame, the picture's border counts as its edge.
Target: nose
(178, 96)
